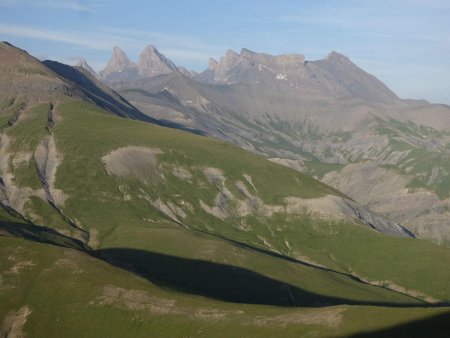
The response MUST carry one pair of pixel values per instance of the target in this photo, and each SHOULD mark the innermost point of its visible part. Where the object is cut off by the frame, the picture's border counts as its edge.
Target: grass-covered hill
(50, 291)
(391, 155)
(127, 228)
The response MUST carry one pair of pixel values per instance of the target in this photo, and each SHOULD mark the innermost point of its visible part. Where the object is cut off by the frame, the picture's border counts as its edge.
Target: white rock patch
(182, 173)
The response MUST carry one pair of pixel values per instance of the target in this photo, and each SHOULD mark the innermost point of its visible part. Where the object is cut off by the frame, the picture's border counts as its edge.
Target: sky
(405, 43)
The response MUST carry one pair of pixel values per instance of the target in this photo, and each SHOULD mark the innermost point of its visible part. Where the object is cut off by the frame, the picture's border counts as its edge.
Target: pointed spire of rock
(118, 63)
(212, 64)
(152, 62)
(119, 60)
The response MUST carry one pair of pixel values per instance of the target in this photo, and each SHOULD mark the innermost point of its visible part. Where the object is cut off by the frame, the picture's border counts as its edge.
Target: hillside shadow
(434, 327)
(40, 234)
(219, 281)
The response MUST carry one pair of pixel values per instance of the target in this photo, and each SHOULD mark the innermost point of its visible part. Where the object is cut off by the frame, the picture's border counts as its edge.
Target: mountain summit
(251, 67)
(333, 76)
(119, 68)
(151, 63)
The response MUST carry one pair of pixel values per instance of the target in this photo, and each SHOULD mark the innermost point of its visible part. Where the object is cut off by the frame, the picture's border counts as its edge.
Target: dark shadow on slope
(107, 98)
(40, 234)
(220, 281)
(434, 327)
(297, 261)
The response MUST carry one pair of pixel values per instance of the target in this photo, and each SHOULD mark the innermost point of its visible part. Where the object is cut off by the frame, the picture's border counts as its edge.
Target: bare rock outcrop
(119, 68)
(152, 63)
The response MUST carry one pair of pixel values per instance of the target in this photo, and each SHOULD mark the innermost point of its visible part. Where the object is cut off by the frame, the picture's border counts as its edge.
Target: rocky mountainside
(151, 63)
(119, 68)
(327, 118)
(334, 76)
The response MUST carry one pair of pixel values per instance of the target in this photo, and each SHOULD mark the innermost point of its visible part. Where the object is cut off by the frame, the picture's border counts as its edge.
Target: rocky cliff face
(152, 63)
(334, 76)
(119, 68)
(251, 67)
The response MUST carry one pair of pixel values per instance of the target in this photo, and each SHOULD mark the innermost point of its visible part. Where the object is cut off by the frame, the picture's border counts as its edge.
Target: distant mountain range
(151, 63)
(334, 76)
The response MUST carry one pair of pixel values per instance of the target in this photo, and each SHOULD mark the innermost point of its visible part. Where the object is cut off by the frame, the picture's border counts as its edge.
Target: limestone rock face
(212, 64)
(152, 62)
(119, 61)
(119, 68)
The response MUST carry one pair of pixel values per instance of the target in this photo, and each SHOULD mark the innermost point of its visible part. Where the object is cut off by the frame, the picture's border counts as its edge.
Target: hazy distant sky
(405, 43)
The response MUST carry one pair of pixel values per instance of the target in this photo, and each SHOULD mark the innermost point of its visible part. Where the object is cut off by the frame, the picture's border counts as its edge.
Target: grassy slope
(25, 135)
(332, 244)
(114, 223)
(85, 134)
(219, 269)
(89, 298)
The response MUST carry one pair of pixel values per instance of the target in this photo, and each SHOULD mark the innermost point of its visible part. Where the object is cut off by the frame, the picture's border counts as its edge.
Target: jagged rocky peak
(247, 66)
(212, 64)
(119, 60)
(119, 67)
(82, 63)
(152, 62)
(229, 60)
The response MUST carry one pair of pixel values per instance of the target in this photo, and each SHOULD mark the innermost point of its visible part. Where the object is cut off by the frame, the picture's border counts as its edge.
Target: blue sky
(405, 43)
